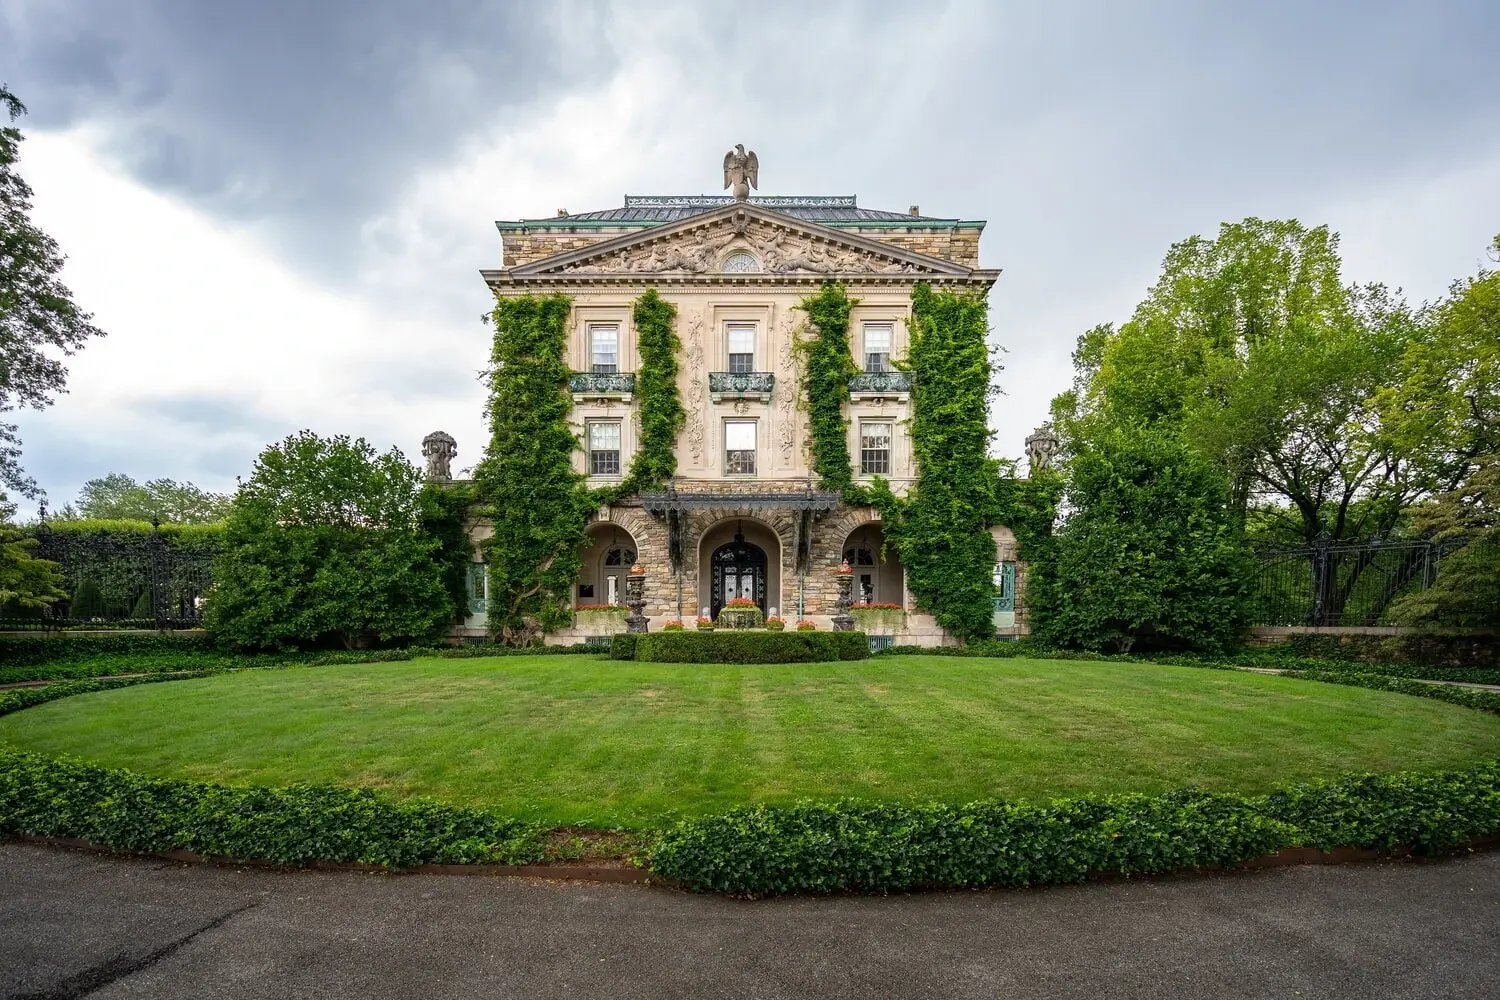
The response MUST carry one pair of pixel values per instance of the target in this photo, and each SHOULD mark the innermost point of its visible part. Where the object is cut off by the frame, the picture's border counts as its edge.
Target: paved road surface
(75, 924)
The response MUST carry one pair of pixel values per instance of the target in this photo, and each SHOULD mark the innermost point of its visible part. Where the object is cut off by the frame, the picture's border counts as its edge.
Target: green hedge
(105, 664)
(131, 812)
(622, 646)
(751, 647)
(819, 847)
(34, 649)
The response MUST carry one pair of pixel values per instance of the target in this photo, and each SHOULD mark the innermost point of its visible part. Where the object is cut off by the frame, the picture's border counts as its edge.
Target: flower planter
(600, 621)
(878, 621)
(739, 618)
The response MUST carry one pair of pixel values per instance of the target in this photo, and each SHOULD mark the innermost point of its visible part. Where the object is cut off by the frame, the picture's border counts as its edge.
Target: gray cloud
(301, 117)
(1090, 136)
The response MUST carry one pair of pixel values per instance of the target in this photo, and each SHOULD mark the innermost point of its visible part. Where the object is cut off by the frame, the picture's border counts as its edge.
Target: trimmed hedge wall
(813, 847)
(751, 647)
(36, 648)
(131, 812)
(107, 664)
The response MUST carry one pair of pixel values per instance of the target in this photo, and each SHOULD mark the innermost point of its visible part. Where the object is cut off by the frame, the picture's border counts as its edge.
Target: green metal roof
(644, 211)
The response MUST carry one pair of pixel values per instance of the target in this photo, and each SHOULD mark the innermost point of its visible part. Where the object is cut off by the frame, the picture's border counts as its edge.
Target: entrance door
(739, 570)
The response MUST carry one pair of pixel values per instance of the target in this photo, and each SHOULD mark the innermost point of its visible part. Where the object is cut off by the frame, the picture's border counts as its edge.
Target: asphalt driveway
(75, 924)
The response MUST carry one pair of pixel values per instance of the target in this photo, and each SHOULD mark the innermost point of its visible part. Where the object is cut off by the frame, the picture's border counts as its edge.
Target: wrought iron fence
(1344, 584)
(120, 580)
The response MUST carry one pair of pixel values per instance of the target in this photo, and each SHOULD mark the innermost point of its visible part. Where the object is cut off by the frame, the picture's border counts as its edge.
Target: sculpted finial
(438, 448)
(1041, 445)
(741, 171)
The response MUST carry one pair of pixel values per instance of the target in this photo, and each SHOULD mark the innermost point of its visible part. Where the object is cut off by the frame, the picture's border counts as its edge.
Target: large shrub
(1148, 556)
(324, 544)
(749, 647)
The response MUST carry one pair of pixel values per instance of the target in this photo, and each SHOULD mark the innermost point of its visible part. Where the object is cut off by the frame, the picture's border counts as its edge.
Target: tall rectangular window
(604, 348)
(742, 347)
(875, 447)
(604, 447)
(739, 447)
(877, 347)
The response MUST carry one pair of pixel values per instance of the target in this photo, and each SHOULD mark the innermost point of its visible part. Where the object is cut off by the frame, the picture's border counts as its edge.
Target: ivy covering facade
(660, 403)
(526, 479)
(528, 467)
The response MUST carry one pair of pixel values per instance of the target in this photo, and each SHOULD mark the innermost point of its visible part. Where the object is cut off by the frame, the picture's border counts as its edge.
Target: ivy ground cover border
(764, 850)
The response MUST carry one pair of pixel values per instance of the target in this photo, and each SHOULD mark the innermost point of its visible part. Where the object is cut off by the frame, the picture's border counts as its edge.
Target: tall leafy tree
(324, 543)
(1252, 348)
(1448, 405)
(117, 496)
(37, 313)
(1148, 555)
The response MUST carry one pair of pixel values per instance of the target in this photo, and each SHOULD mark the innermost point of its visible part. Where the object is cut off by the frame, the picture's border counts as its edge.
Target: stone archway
(735, 551)
(607, 557)
(879, 577)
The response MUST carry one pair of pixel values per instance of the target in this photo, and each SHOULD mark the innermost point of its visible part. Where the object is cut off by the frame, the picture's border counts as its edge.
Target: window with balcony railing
(604, 348)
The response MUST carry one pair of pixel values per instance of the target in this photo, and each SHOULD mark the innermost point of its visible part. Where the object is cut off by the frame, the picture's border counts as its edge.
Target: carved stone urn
(843, 621)
(635, 599)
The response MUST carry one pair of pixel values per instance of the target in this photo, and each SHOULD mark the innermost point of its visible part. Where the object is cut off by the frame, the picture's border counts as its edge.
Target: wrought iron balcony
(884, 384)
(740, 385)
(602, 385)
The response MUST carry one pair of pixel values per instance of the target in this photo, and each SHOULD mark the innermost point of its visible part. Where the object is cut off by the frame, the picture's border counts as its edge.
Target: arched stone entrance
(878, 577)
(738, 568)
(739, 557)
(607, 558)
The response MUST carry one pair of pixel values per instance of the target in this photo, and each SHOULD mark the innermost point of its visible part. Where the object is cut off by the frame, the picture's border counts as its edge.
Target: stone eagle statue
(742, 171)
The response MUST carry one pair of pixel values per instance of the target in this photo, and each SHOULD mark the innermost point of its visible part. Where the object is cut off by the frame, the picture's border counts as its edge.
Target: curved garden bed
(516, 746)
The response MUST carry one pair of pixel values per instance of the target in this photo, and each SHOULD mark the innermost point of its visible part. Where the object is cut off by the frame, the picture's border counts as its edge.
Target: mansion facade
(744, 517)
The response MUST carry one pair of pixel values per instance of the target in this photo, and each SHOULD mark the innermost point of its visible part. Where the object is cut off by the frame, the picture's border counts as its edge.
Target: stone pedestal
(635, 600)
(843, 621)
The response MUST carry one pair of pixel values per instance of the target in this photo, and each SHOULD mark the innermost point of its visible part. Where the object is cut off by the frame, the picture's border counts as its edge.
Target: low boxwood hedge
(38, 648)
(751, 647)
(113, 664)
(132, 812)
(826, 847)
(622, 646)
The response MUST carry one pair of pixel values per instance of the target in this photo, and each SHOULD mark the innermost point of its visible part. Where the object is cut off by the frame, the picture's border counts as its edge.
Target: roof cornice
(932, 266)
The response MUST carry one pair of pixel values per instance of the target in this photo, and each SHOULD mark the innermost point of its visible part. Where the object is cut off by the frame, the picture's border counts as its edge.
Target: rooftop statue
(741, 171)
(438, 448)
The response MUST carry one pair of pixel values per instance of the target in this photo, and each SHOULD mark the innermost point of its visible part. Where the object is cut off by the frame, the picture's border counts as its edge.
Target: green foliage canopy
(1252, 349)
(324, 542)
(38, 317)
(942, 528)
(118, 497)
(1148, 555)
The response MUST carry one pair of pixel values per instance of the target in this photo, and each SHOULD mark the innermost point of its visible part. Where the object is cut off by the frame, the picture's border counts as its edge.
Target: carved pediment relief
(778, 247)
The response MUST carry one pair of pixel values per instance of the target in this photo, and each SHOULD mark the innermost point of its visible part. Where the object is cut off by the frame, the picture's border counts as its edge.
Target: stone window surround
(897, 413)
(887, 422)
(602, 410)
(754, 423)
(580, 344)
(725, 313)
(618, 423)
(592, 330)
(861, 315)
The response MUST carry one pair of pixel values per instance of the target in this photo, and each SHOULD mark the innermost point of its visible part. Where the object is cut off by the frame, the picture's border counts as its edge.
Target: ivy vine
(658, 399)
(526, 479)
(827, 366)
(941, 530)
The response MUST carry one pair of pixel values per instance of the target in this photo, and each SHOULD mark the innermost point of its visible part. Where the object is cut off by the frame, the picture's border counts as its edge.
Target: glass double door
(739, 570)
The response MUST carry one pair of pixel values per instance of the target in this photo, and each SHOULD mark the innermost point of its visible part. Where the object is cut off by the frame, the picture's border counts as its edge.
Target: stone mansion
(744, 516)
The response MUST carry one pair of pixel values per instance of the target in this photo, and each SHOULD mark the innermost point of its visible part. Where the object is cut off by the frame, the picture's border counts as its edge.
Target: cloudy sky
(278, 210)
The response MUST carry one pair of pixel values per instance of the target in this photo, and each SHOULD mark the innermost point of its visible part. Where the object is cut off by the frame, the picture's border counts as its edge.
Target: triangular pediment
(715, 242)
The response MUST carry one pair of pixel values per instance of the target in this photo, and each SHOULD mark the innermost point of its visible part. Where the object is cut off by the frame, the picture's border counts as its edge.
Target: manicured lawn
(583, 740)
